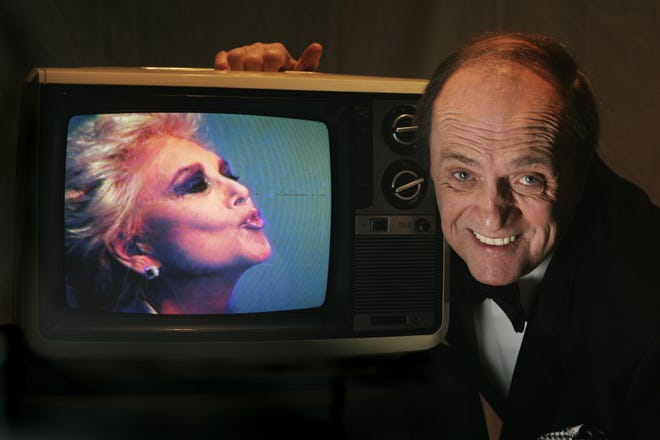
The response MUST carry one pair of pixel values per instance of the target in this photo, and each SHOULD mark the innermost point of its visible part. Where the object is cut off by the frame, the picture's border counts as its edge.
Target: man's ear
(133, 254)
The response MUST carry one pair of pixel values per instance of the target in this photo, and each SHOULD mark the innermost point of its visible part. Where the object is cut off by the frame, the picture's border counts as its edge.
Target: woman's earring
(151, 272)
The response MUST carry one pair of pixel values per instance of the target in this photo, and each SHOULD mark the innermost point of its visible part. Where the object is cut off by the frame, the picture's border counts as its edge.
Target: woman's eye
(196, 183)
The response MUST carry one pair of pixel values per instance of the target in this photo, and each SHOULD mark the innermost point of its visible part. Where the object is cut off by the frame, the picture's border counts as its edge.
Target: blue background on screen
(286, 165)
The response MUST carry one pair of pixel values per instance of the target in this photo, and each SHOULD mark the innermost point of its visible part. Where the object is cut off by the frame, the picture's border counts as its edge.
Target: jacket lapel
(541, 374)
(537, 386)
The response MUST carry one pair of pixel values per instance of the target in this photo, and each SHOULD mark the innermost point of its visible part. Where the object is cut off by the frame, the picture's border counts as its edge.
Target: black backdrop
(616, 42)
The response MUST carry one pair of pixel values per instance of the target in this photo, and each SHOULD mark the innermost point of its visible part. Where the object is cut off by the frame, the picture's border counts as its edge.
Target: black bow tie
(507, 297)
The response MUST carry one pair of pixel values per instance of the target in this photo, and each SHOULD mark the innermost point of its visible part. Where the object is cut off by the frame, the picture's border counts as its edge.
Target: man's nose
(498, 205)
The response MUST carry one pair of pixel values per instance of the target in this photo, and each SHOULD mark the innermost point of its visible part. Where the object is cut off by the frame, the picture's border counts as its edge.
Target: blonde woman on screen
(156, 222)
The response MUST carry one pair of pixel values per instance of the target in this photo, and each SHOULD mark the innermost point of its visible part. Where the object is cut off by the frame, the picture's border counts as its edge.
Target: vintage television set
(358, 263)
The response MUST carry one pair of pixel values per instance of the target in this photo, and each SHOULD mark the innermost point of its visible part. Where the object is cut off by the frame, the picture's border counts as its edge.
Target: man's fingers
(271, 57)
(310, 58)
(220, 62)
(276, 57)
(236, 58)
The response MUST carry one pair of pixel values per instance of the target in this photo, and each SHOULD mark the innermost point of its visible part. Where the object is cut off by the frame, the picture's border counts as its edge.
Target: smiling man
(534, 216)
(512, 127)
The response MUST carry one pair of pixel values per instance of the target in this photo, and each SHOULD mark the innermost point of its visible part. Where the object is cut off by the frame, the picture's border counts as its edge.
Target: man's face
(495, 142)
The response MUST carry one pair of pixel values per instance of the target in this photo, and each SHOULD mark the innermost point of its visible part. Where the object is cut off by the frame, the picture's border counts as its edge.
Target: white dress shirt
(498, 343)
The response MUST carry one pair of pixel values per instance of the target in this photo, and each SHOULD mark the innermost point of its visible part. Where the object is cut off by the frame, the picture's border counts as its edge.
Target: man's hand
(268, 57)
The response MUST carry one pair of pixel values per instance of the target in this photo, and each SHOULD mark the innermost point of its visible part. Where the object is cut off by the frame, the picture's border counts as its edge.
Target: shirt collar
(527, 284)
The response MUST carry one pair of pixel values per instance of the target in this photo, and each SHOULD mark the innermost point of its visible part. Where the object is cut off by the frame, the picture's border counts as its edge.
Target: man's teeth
(495, 241)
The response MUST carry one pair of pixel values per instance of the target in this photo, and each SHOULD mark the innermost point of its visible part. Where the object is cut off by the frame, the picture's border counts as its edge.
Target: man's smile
(503, 241)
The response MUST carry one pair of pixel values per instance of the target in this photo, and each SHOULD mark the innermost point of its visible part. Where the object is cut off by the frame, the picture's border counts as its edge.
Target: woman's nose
(239, 194)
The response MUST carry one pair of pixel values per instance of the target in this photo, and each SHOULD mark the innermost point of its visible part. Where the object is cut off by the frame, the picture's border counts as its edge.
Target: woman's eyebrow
(184, 171)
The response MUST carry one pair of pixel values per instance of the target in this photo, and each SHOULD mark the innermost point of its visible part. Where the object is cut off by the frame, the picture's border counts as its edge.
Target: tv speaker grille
(396, 274)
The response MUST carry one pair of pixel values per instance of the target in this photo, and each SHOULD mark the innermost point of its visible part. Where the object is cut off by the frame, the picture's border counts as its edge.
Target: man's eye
(530, 184)
(196, 183)
(531, 180)
(462, 175)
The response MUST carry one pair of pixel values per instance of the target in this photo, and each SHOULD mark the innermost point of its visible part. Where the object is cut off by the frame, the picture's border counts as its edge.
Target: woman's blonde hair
(101, 190)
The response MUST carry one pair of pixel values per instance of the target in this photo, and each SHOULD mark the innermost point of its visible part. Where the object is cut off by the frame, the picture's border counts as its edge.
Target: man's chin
(494, 276)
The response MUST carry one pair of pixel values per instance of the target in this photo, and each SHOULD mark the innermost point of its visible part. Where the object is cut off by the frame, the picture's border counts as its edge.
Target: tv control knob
(404, 184)
(404, 129)
(400, 129)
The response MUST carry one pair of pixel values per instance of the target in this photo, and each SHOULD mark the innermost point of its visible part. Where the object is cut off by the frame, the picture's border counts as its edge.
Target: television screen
(277, 168)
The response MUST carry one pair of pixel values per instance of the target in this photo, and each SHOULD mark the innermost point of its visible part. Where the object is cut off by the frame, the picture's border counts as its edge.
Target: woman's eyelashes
(197, 181)
(226, 171)
(193, 184)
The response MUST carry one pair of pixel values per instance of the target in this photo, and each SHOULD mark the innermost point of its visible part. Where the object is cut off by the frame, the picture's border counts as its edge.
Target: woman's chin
(261, 251)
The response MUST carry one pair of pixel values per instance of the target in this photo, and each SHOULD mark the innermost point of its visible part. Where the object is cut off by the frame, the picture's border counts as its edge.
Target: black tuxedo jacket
(591, 351)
